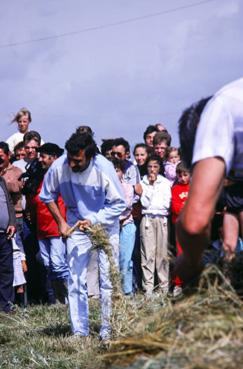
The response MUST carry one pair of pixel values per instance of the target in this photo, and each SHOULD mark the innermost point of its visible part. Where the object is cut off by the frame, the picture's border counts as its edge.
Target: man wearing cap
(52, 246)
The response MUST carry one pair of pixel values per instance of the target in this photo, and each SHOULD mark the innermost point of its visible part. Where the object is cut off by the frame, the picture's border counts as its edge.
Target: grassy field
(40, 336)
(203, 330)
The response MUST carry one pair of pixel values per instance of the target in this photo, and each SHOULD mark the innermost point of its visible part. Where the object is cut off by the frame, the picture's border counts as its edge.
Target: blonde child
(23, 119)
(172, 159)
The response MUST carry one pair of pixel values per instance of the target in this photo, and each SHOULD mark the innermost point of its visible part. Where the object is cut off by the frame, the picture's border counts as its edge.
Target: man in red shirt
(52, 246)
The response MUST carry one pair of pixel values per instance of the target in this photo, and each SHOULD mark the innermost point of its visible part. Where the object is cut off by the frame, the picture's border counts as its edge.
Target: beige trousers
(154, 251)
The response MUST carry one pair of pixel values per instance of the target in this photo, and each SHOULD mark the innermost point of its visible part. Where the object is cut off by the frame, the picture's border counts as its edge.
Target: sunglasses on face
(31, 147)
(115, 153)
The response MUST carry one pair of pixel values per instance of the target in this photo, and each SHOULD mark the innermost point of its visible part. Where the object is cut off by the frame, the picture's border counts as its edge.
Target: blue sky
(117, 79)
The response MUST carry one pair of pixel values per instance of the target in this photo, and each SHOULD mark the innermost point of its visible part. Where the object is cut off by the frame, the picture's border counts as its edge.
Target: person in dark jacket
(7, 230)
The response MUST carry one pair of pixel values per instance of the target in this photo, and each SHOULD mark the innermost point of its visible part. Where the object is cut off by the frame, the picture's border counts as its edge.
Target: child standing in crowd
(179, 196)
(127, 231)
(23, 119)
(155, 200)
(172, 159)
(20, 267)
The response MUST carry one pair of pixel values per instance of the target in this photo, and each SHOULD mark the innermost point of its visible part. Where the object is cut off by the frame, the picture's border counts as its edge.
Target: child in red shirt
(179, 196)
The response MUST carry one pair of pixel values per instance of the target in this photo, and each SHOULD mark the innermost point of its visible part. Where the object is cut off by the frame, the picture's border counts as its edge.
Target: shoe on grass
(177, 291)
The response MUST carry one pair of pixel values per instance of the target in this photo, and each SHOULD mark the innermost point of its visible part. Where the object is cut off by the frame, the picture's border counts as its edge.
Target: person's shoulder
(129, 165)
(228, 98)
(232, 87)
(16, 169)
(168, 165)
(145, 180)
(2, 181)
(14, 136)
(60, 162)
(178, 187)
(163, 180)
(21, 164)
(175, 186)
(103, 164)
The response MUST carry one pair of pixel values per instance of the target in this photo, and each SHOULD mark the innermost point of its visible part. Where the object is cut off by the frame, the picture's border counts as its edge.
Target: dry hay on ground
(204, 330)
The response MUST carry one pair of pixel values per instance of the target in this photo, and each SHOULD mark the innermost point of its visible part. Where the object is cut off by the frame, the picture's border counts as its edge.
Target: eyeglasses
(116, 153)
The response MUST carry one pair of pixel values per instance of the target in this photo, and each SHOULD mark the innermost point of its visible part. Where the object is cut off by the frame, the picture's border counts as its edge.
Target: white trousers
(93, 269)
(78, 255)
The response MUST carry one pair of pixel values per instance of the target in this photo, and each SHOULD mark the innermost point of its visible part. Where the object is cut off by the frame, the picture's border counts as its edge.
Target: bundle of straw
(204, 330)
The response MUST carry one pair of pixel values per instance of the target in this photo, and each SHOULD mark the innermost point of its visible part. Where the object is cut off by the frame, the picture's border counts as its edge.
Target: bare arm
(193, 227)
(62, 224)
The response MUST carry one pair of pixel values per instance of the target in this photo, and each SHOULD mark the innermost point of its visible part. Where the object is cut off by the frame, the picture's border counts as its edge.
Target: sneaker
(164, 291)
(129, 296)
(60, 288)
(177, 291)
(105, 341)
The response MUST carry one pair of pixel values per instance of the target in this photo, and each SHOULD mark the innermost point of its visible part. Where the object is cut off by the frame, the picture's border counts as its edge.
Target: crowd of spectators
(155, 183)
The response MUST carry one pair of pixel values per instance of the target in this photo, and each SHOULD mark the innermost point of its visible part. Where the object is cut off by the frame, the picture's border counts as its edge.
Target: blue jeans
(127, 241)
(53, 254)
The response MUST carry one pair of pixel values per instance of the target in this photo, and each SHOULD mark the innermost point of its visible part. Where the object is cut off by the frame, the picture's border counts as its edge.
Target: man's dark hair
(188, 124)
(4, 146)
(50, 148)
(121, 141)
(18, 146)
(84, 129)
(162, 136)
(155, 157)
(83, 141)
(106, 145)
(148, 130)
(32, 135)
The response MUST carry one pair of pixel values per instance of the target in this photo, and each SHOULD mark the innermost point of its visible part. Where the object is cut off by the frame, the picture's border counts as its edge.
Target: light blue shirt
(94, 194)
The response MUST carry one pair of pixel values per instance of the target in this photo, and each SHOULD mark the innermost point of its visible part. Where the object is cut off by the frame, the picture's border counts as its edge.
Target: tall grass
(203, 330)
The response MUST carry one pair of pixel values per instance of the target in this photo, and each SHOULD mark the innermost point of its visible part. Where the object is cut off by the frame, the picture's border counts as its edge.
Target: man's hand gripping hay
(100, 239)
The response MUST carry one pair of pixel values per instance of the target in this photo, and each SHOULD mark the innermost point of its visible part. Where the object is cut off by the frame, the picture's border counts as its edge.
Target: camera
(32, 177)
